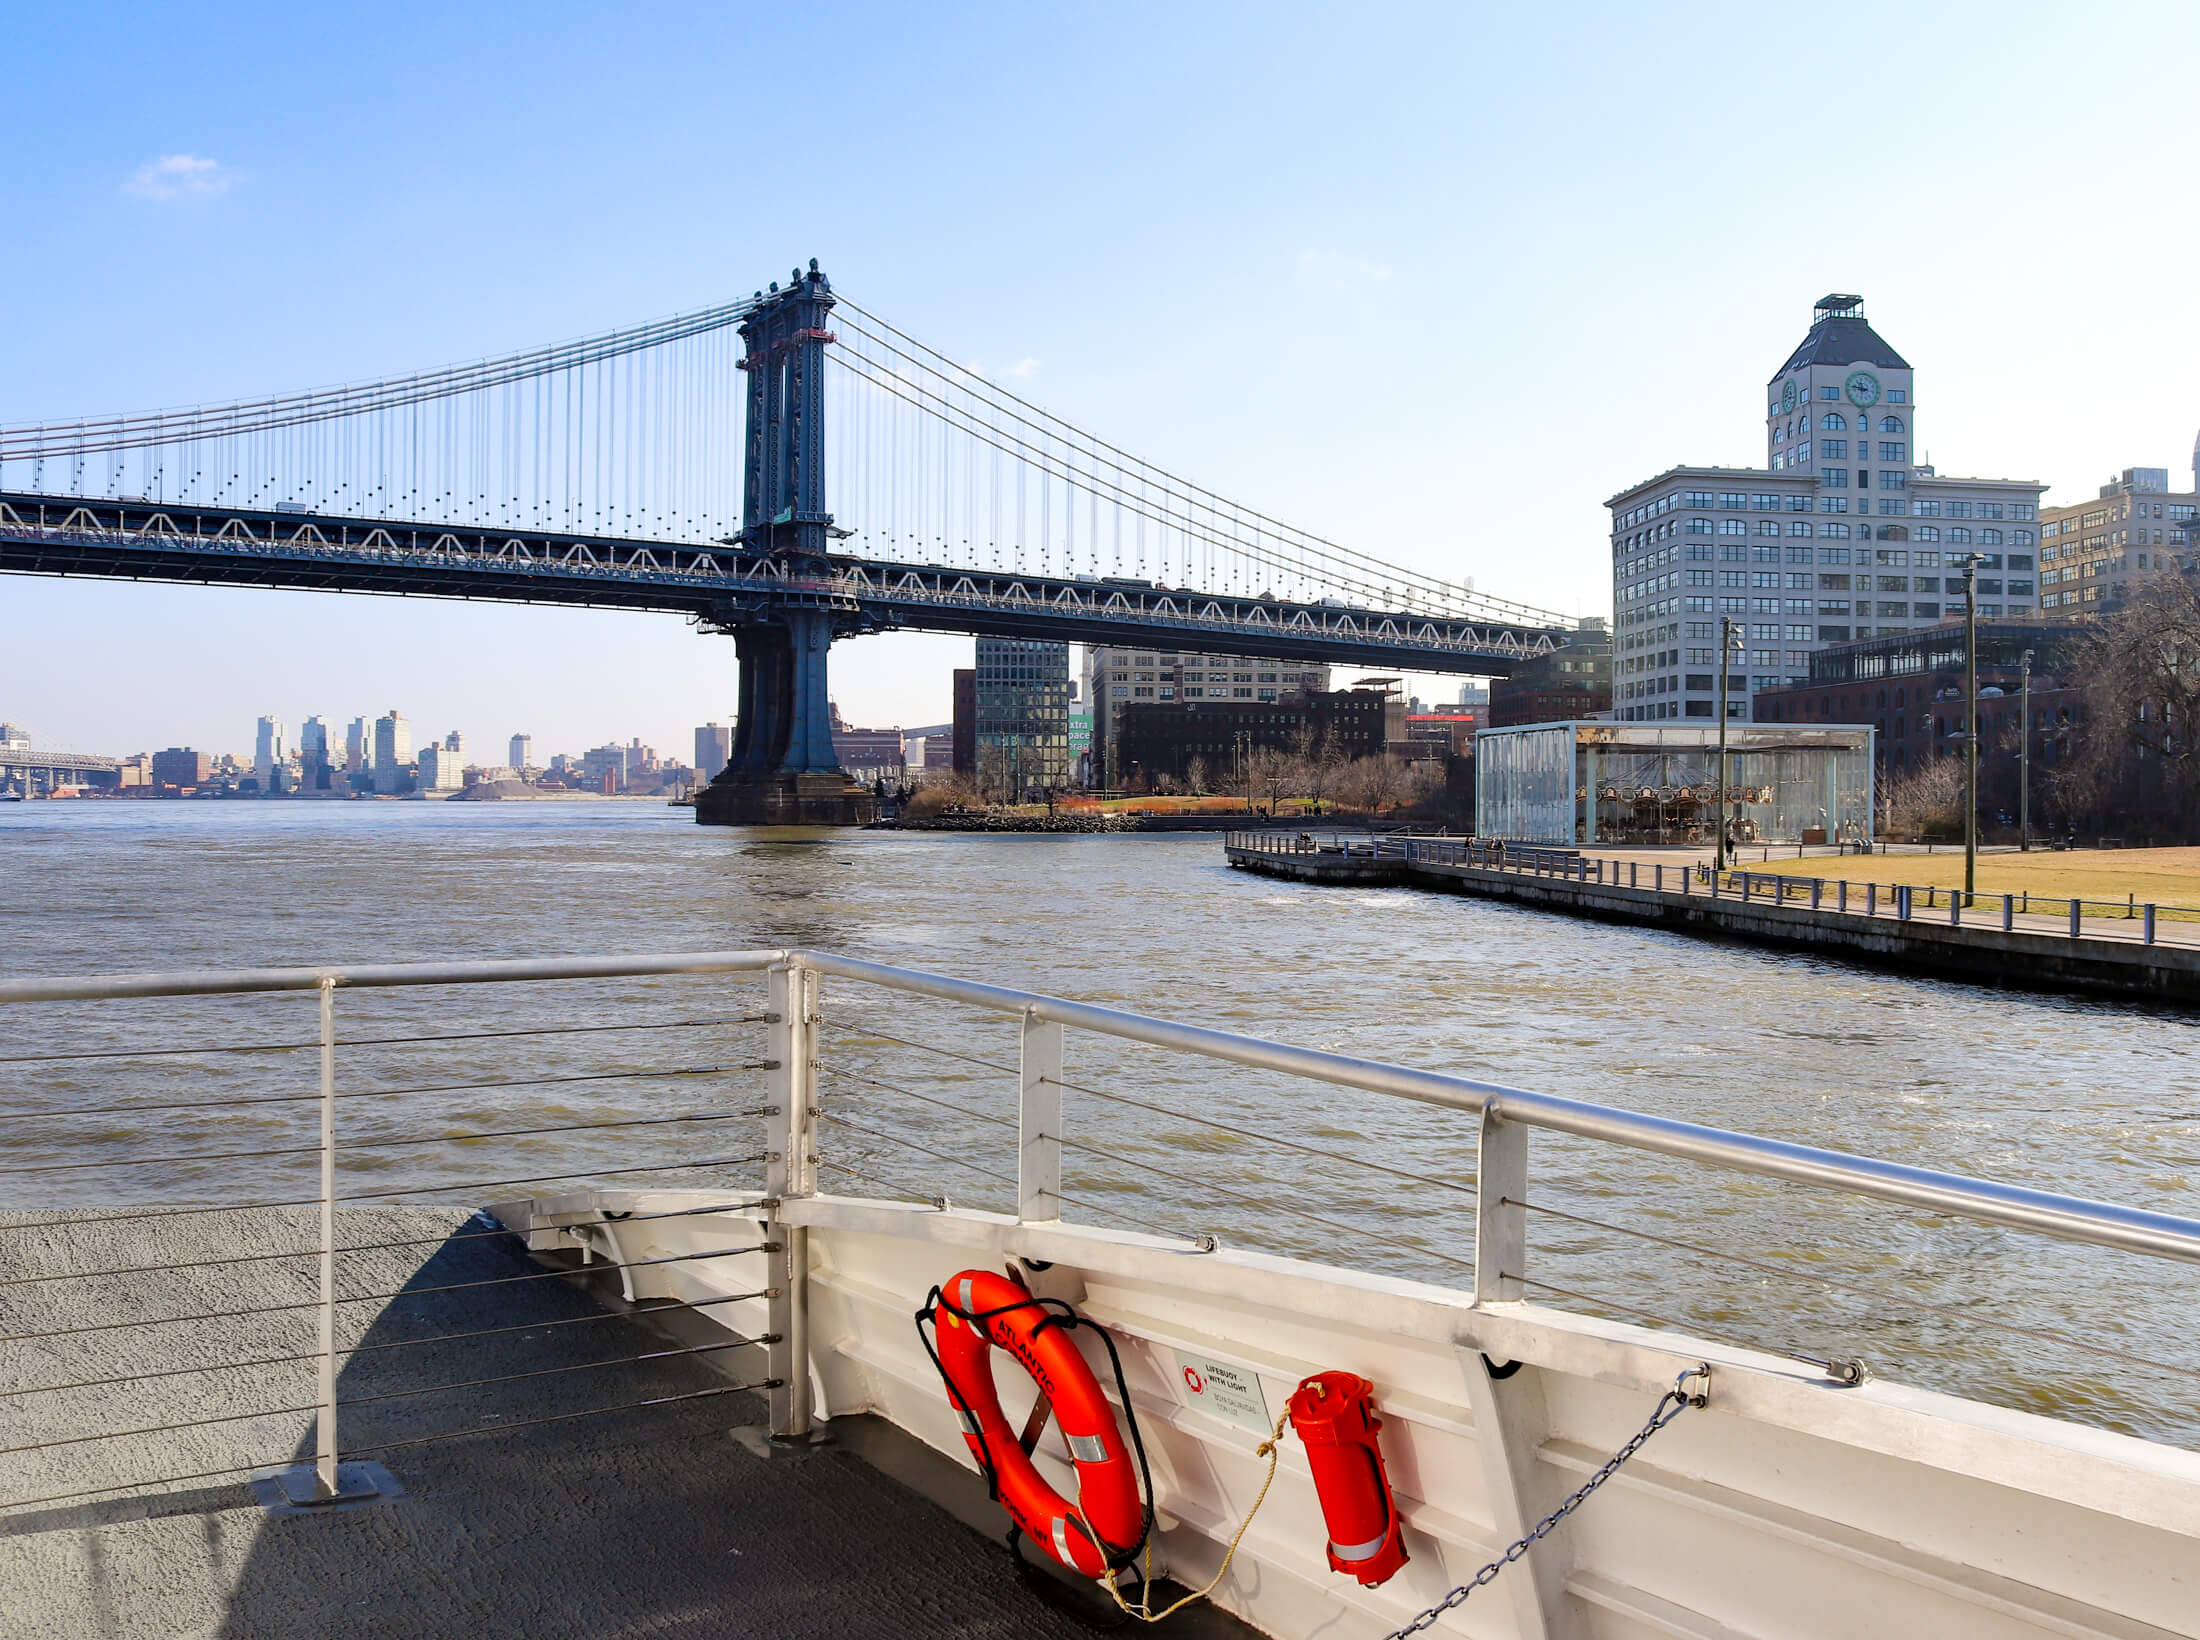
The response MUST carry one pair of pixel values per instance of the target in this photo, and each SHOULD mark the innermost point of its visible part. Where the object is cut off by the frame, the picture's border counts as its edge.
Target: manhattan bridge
(601, 472)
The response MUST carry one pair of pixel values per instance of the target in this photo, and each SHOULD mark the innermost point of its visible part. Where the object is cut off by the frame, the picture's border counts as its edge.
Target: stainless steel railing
(825, 1105)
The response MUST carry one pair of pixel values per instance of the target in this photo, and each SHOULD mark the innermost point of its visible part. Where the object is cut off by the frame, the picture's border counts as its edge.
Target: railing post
(324, 1458)
(1817, 892)
(792, 1001)
(2008, 913)
(1871, 899)
(1955, 910)
(1039, 1122)
(1500, 1210)
(1841, 895)
(2148, 935)
(2077, 915)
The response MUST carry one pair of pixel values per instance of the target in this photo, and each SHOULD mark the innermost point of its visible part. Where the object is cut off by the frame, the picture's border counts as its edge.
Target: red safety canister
(1334, 1417)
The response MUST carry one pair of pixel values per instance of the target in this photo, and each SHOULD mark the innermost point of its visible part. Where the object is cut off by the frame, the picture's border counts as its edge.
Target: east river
(2089, 1097)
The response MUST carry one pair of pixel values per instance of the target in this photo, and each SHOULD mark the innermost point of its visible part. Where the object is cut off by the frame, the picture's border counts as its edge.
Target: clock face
(1863, 389)
(1787, 397)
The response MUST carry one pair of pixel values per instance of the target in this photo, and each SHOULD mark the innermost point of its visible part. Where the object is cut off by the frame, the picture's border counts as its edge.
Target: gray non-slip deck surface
(651, 1522)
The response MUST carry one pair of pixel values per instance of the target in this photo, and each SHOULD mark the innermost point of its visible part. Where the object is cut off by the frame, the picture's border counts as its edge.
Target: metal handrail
(2072, 1218)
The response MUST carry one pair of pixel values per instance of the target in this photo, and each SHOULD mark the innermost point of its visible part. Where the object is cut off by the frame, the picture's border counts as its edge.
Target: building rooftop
(1839, 334)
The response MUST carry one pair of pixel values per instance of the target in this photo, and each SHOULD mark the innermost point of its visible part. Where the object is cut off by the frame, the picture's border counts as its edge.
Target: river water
(2091, 1097)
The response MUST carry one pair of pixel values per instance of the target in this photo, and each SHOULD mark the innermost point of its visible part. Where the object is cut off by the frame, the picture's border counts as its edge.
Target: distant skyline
(1435, 289)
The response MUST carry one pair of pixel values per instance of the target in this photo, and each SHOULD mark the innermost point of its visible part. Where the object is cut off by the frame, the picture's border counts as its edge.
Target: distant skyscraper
(313, 773)
(455, 744)
(713, 745)
(392, 752)
(605, 769)
(521, 754)
(358, 746)
(1022, 716)
(271, 756)
(442, 767)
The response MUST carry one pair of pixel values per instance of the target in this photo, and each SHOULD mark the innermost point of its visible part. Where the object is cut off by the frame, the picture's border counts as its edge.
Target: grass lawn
(2162, 876)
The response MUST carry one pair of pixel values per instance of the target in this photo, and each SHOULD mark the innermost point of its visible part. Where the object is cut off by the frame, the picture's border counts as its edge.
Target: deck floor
(660, 1522)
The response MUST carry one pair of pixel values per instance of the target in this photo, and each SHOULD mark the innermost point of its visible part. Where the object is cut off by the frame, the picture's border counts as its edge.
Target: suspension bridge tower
(783, 770)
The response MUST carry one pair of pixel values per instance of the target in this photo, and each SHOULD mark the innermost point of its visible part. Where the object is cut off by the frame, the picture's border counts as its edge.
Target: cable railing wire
(377, 1041)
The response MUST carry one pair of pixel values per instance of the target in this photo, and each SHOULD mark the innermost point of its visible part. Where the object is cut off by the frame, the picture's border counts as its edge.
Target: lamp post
(1729, 635)
(1971, 563)
(2024, 764)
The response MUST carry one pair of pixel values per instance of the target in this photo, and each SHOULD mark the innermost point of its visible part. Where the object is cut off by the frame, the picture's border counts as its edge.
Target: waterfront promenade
(2005, 939)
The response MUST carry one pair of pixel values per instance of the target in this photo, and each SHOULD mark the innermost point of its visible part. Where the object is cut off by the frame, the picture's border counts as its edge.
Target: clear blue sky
(1435, 280)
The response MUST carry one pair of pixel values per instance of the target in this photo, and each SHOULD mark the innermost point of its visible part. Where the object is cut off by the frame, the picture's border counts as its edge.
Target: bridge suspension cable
(1021, 476)
(639, 434)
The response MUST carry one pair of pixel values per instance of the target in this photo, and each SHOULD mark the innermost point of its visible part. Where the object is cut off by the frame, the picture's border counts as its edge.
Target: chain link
(1670, 1405)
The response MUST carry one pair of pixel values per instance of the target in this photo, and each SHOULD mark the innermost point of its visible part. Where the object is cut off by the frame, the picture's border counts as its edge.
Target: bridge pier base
(783, 771)
(814, 799)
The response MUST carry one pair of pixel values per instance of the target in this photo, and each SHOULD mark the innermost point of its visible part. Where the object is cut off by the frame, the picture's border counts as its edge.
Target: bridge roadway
(720, 585)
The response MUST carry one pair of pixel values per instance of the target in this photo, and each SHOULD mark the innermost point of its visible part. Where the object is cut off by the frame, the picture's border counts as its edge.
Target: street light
(1730, 635)
(2024, 764)
(1971, 563)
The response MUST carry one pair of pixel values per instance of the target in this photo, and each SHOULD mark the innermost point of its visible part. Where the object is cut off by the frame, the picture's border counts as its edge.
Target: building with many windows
(1164, 739)
(1020, 708)
(1842, 535)
(1117, 677)
(1574, 682)
(2093, 553)
(393, 753)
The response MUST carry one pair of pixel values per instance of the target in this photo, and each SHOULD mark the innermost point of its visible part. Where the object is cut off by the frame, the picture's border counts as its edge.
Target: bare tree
(1316, 758)
(1195, 776)
(1927, 798)
(2142, 694)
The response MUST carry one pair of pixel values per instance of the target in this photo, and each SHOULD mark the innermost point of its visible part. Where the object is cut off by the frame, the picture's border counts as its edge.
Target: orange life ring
(974, 1313)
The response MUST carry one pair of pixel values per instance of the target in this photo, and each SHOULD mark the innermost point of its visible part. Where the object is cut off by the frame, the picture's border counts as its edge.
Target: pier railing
(898, 1080)
(2129, 921)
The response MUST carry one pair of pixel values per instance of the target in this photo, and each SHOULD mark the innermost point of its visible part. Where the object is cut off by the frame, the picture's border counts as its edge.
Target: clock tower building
(1842, 535)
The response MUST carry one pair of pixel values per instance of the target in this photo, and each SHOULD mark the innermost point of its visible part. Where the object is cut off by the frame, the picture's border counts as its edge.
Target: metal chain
(1670, 1405)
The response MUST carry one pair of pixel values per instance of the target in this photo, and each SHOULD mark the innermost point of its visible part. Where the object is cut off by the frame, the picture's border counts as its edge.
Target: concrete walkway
(658, 1522)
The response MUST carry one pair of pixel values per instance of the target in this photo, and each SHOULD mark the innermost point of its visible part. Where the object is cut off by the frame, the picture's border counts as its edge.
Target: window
(1733, 526)
(1120, 689)
(1764, 555)
(2020, 589)
(1894, 583)
(1797, 582)
(1833, 503)
(1833, 449)
(1893, 452)
(1959, 534)
(1699, 526)
(1833, 583)
(1798, 555)
(1990, 509)
(1797, 527)
(1771, 503)
(1697, 606)
(1833, 394)
(1764, 606)
(1893, 559)
(1726, 500)
(1731, 578)
(1764, 657)
(1696, 498)
(1928, 532)
(1989, 538)
(1764, 578)
(1833, 532)
(1834, 422)
(1891, 424)
(1834, 555)
(1798, 503)
(1897, 610)
(2020, 560)
(1835, 634)
(1768, 526)
(1700, 551)
(1731, 553)
(1989, 588)
(1959, 509)
(1733, 606)
(1898, 395)
(1895, 479)
(1924, 509)
(1926, 612)
(1699, 577)
(1925, 583)
(1832, 606)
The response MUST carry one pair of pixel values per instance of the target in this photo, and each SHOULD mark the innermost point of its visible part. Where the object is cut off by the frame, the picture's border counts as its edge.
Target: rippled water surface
(2088, 1097)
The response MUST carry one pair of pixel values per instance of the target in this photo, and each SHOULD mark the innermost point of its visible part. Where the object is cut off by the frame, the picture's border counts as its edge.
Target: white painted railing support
(1500, 1210)
(792, 1001)
(1039, 1122)
(324, 1457)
